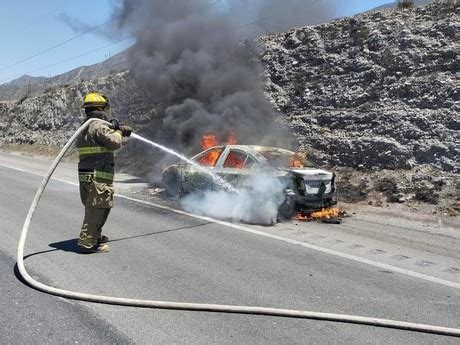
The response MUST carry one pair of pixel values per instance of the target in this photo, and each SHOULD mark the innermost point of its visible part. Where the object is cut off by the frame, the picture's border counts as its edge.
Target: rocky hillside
(50, 118)
(371, 96)
(27, 86)
(375, 90)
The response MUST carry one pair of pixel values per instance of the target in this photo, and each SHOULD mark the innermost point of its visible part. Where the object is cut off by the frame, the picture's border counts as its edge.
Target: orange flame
(325, 213)
(209, 140)
(231, 138)
(298, 160)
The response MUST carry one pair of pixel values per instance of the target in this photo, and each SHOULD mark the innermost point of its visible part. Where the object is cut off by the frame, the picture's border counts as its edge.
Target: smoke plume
(198, 60)
(193, 58)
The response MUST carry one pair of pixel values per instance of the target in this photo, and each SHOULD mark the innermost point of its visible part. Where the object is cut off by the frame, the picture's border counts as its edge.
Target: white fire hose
(216, 308)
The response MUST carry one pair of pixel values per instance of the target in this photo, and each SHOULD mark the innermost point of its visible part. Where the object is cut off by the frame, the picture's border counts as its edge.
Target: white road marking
(37, 174)
(275, 237)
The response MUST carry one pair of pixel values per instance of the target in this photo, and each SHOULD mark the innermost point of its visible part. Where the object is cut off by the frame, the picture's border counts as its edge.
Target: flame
(298, 160)
(295, 163)
(231, 138)
(210, 159)
(325, 213)
(209, 140)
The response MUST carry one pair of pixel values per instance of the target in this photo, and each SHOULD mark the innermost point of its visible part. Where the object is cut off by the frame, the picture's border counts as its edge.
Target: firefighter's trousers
(97, 198)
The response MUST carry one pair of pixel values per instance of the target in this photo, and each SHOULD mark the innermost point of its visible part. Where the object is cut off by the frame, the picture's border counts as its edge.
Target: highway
(371, 265)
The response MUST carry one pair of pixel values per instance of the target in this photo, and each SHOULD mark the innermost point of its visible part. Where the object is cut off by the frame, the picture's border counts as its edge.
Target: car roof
(255, 150)
(258, 148)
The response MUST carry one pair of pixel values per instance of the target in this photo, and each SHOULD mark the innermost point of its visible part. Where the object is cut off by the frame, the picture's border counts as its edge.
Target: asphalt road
(159, 254)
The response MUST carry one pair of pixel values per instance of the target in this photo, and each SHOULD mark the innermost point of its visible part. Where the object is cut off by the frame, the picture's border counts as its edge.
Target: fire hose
(216, 308)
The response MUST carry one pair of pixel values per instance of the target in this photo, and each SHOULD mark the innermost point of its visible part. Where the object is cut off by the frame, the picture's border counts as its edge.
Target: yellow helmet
(95, 100)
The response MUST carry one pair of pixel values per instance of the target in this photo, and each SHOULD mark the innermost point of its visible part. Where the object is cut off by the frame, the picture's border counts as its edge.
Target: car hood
(313, 174)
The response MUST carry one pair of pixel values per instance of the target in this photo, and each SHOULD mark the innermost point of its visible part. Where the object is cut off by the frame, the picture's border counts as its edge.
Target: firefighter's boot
(103, 239)
(99, 248)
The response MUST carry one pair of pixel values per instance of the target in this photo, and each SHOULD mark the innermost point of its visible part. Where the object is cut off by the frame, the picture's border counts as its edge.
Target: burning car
(308, 189)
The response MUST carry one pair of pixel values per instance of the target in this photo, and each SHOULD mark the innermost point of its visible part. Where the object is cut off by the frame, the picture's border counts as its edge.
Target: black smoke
(194, 59)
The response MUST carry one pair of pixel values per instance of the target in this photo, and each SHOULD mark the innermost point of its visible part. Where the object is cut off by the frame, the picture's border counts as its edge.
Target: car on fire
(307, 188)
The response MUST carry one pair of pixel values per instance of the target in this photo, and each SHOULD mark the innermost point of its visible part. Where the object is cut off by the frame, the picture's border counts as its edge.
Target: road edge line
(275, 237)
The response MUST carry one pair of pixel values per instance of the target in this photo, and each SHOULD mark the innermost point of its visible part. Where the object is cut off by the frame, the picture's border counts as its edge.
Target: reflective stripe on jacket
(99, 176)
(96, 147)
(91, 150)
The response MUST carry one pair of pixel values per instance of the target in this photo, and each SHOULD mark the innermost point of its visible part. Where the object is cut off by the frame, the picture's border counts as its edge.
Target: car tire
(287, 210)
(172, 184)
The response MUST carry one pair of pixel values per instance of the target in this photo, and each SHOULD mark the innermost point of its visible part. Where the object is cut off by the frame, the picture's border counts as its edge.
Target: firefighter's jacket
(96, 147)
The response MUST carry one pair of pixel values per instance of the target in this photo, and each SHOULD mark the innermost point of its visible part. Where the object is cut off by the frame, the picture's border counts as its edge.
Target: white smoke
(257, 203)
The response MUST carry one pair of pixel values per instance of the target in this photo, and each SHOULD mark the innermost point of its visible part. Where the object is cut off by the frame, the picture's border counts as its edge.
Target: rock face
(375, 90)
(51, 118)
(378, 90)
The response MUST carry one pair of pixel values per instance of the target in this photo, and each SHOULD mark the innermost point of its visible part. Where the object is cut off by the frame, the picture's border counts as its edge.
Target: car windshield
(280, 159)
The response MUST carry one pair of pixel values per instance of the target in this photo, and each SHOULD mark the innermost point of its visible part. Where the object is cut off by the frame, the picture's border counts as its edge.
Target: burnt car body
(307, 188)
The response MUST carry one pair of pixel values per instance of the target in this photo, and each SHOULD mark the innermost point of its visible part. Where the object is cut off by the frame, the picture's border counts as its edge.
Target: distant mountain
(32, 86)
(26, 80)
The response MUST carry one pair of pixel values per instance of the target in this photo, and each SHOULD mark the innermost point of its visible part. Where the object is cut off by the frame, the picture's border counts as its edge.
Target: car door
(235, 166)
(194, 178)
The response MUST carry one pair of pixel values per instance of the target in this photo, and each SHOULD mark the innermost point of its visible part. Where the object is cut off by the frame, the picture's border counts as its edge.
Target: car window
(286, 160)
(209, 158)
(238, 160)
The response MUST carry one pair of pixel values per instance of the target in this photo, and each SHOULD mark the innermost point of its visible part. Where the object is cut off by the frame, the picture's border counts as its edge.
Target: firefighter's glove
(126, 131)
(114, 124)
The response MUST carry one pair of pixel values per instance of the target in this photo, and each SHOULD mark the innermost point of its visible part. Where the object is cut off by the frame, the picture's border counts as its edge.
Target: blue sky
(28, 27)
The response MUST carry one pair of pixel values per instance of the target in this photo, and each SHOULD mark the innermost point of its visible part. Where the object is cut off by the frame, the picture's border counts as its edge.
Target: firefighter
(96, 147)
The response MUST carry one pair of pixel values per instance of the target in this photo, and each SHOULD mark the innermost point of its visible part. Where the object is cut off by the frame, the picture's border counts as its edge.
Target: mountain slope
(374, 97)
(27, 86)
(375, 90)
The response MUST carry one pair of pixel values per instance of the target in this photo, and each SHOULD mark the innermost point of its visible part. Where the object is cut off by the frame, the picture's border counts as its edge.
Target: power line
(256, 21)
(72, 58)
(58, 45)
(106, 46)
(75, 37)
(78, 56)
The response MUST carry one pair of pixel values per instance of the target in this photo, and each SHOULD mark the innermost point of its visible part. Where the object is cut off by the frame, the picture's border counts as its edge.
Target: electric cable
(203, 307)
(58, 45)
(107, 46)
(75, 37)
(78, 56)
(70, 59)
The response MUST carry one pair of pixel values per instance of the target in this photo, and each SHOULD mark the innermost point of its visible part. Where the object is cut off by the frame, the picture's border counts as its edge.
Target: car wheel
(287, 209)
(172, 184)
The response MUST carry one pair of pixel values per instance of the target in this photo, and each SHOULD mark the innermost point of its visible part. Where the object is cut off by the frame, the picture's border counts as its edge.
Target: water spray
(217, 179)
(203, 307)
